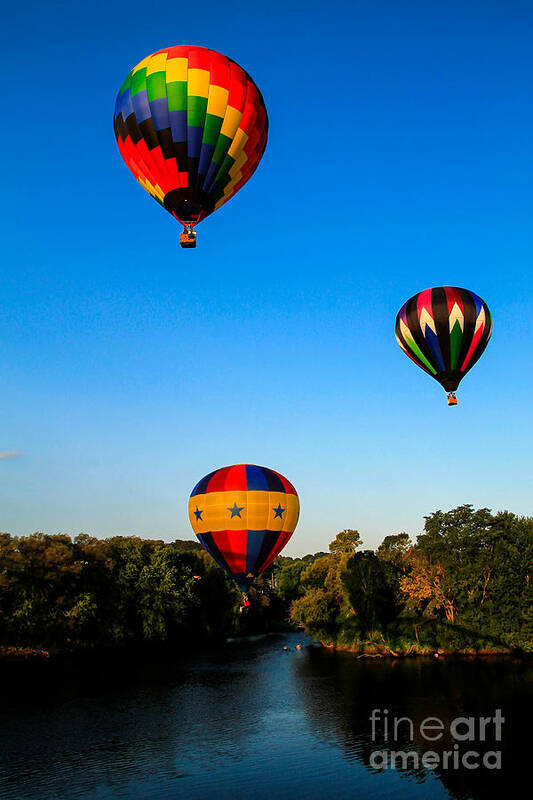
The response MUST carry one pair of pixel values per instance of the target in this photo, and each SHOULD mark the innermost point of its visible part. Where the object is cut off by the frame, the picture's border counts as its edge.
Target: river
(251, 720)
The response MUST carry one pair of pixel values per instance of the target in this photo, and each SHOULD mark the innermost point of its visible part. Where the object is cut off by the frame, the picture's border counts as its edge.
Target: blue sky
(399, 158)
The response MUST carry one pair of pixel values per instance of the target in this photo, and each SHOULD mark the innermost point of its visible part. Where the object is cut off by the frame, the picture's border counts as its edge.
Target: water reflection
(249, 720)
(157, 719)
(343, 692)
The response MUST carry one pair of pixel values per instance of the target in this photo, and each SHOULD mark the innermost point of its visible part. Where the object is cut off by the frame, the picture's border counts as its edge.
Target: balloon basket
(188, 238)
(452, 399)
(245, 603)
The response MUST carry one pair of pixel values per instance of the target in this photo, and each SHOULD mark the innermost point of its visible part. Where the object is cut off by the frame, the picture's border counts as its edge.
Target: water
(252, 721)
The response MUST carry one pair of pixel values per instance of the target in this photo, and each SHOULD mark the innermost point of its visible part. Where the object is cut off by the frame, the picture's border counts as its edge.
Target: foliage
(394, 548)
(57, 592)
(288, 583)
(345, 542)
(370, 591)
(466, 584)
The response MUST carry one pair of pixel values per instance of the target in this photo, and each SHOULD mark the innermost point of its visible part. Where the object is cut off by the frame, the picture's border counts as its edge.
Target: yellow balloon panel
(237, 510)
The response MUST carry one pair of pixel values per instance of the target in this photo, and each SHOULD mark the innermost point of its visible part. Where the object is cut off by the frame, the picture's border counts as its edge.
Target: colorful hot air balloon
(244, 515)
(444, 330)
(191, 126)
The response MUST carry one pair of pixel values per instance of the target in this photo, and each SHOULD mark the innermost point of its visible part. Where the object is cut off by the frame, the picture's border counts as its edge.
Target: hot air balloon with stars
(444, 330)
(192, 126)
(244, 516)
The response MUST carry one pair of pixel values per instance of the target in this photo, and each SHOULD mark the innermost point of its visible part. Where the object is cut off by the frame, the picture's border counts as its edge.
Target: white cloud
(9, 454)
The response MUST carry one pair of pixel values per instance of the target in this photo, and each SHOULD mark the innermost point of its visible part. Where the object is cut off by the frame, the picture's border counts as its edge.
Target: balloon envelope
(191, 126)
(444, 330)
(244, 515)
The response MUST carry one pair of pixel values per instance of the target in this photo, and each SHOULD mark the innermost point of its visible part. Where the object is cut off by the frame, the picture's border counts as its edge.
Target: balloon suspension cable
(452, 399)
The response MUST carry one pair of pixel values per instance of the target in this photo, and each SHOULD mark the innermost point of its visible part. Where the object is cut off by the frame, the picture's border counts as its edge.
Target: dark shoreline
(17, 657)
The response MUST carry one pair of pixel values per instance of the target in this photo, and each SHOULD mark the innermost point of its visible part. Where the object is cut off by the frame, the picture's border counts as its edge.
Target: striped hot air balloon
(191, 126)
(244, 516)
(444, 331)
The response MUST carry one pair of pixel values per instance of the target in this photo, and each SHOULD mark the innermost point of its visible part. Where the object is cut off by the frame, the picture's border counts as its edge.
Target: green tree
(345, 543)
(394, 549)
(369, 592)
(317, 611)
(289, 580)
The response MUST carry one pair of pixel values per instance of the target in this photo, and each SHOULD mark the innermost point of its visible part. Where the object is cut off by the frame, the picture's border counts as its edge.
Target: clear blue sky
(130, 368)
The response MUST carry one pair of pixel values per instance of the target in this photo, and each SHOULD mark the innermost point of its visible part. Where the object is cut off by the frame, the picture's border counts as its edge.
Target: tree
(345, 543)
(369, 591)
(427, 589)
(394, 549)
(289, 580)
(60, 593)
(317, 612)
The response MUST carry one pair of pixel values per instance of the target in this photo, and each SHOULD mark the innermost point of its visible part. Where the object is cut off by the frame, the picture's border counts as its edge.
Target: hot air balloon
(244, 516)
(444, 330)
(191, 126)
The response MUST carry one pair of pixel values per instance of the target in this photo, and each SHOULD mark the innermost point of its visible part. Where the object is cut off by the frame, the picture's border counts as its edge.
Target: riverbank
(23, 663)
(185, 645)
(430, 637)
(23, 654)
(385, 652)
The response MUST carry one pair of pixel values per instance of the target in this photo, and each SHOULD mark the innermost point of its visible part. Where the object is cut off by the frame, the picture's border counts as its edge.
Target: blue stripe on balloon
(206, 155)
(433, 344)
(259, 545)
(478, 301)
(124, 104)
(178, 126)
(141, 106)
(194, 141)
(254, 545)
(255, 478)
(274, 483)
(159, 109)
(210, 177)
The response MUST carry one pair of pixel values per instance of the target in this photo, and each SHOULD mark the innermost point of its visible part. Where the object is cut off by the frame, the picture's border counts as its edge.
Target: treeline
(465, 585)
(58, 593)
